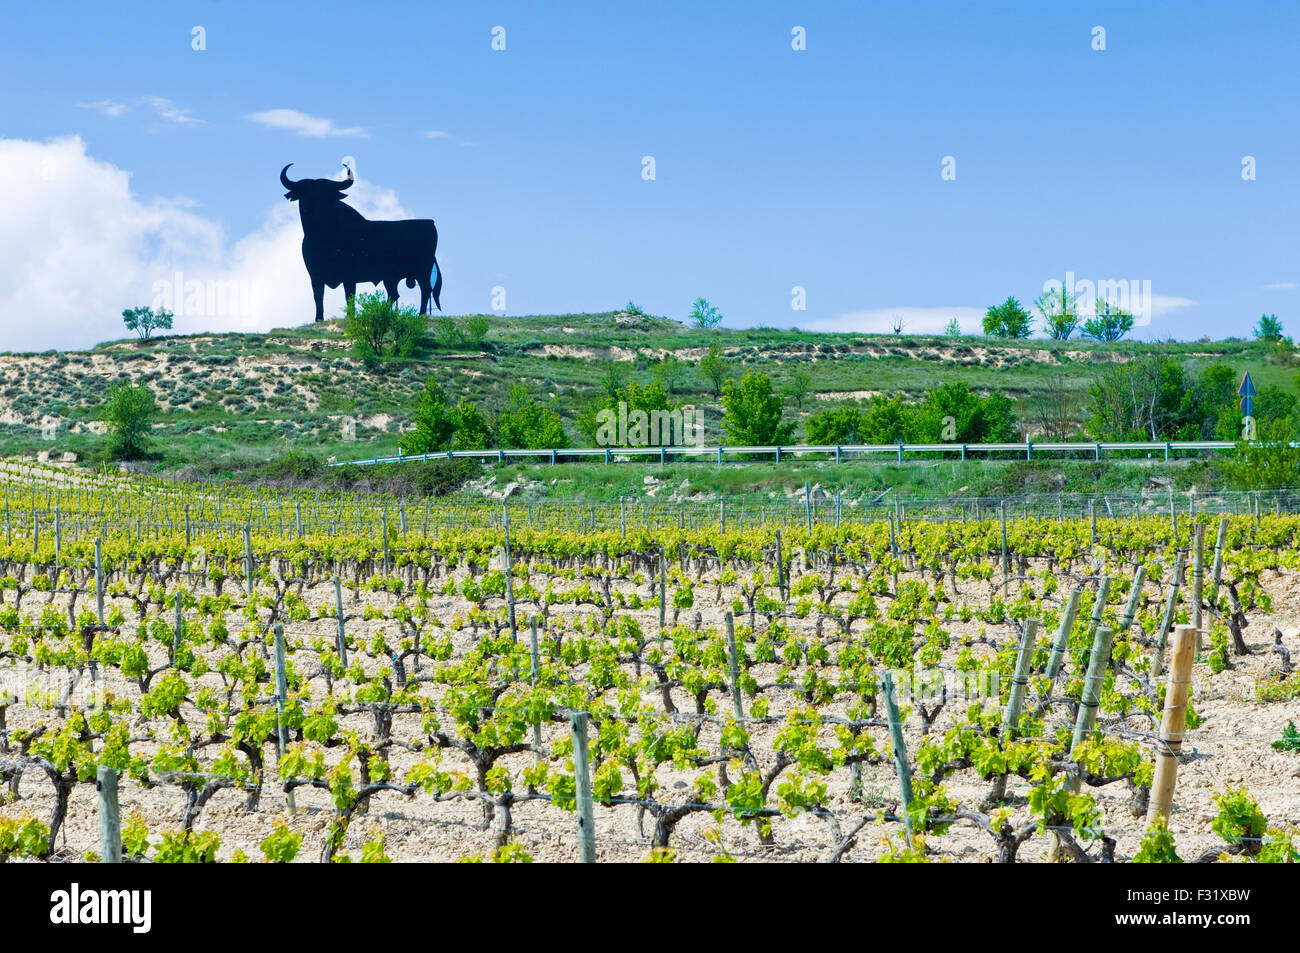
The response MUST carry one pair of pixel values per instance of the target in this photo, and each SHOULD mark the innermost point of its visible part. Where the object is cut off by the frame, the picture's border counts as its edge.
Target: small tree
(440, 425)
(670, 370)
(704, 314)
(144, 321)
(1055, 408)
(612, 376)
(634, 309)
(713, 368)
(378, 328)
(1007, 320)
(529, 425)
(129, 415)
(835, 425)
(1269, 328)
(470, 429)
(1060, 313)
(799, 386)
(448, 333)
(434, 427)
(476, 329)
(1110, 323)
(953, 330)
(752, 414)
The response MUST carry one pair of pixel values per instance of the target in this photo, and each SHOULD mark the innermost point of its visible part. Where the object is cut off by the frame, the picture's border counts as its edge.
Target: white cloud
(106, 106)
(1282, 286)
(166, 109)
(303, 125)
(77, 246)
(915, 320)
(1162, 305)
(436, 134)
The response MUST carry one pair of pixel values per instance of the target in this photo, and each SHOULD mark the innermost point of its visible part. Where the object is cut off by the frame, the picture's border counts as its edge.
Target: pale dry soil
(1231, 748)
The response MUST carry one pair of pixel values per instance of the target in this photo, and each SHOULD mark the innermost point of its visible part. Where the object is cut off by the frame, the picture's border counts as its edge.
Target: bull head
(319, 189)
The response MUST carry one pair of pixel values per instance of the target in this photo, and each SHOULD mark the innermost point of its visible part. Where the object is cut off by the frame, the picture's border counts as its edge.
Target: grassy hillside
(232, 399)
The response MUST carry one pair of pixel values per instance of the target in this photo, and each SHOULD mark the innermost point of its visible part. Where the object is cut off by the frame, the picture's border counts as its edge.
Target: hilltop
(232, 399)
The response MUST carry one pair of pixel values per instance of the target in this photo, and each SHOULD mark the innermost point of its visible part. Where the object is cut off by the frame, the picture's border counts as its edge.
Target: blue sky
(774, 167)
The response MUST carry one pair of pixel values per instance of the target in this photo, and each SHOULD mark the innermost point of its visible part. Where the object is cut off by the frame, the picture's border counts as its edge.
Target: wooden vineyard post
(342, 633)
(176, 634)
(281, 697)
(807, 505)
(622, 517)
(1171, 725)
(1019, 682)
(510, 584)
(383, 531)
(1092, 517)
(1062, 640)
(722, 517)
(582, 779)
(534, 675)
(736, 700)
(110, 818)
(99, 579)
(1006, 562)
(1098, 607)
(248, 562)
(780, 569)
(899, 751)
(663, 590)
(1089, 698)
(189, 536)
(298, 517)
(1198, 579)
(58, 541)
(1134, 595)
(1158, 660)
(893, 549)
(1218, 550)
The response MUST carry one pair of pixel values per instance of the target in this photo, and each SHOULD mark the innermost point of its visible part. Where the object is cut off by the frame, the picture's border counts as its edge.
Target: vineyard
(317, 677)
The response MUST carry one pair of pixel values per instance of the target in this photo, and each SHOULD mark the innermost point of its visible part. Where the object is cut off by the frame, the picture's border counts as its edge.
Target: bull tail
(437, 285)
(410, 282)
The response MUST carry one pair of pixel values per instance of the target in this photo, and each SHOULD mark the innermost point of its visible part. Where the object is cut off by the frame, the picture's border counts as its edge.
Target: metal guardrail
(839, 452)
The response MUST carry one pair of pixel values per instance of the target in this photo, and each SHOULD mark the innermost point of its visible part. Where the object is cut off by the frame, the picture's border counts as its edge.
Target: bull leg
(350, 292)
(391, 288)
(318, 292)
(425, 292)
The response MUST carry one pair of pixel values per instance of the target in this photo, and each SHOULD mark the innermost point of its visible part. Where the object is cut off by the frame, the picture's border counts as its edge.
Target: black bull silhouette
(340, 247)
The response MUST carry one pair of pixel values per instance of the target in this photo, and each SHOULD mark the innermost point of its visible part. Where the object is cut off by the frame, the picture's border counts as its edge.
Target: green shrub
(379, 329)
(294, 465)
(129, 415)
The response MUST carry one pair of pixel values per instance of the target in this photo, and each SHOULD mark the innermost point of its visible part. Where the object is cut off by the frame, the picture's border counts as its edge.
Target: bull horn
(284, 179)
(343, 185)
